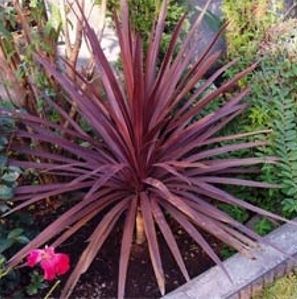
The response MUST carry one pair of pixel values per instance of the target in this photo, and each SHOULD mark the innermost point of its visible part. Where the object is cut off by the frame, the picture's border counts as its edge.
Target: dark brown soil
(100, 281)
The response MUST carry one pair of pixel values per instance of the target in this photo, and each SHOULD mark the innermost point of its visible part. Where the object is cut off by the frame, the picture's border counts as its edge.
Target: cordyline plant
(149, 156)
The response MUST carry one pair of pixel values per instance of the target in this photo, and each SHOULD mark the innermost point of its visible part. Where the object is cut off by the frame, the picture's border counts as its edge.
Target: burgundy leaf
(151, 236)
(169, 237)
(126, 246)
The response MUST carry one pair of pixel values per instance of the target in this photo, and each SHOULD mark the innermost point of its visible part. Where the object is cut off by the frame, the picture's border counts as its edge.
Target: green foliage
(143, 14)
(237, 213)
(263, 226)
(273, 95)
(15, 232)
(249, 21)
(227, 252)
(283, 288)
(7, 25)
(37, 284)
(8, 179)
(18, 52)
(14, 237)
(8, 20)
(273, 106)
(274, 99)
(8, 174)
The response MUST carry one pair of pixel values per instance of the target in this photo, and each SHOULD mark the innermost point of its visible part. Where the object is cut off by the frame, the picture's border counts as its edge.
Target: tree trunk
(140, 236)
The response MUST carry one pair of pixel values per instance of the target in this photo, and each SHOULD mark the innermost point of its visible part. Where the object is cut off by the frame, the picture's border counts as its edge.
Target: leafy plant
(25, 29)
(248, 23)
(37, 284)
(147, 156)
(15, 232)
(279, 99)
(15, 236)
(143, 14)
(258, 33)
(8, 174)
(227, 252)
(264, 226)
(282, 288)
(235, 212)
(249, 20)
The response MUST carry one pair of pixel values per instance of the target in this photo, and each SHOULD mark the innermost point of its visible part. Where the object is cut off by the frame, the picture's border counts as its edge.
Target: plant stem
(140, 238)
(5, 273)
(52, 289)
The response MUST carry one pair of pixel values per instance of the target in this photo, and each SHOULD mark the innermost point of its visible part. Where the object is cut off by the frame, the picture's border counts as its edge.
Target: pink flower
(53, 264)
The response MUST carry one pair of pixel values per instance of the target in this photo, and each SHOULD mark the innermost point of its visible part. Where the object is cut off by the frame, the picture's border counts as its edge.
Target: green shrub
(252, 35)
(143, 13)
(8, 174)
(263, 226)
(17, 230)
(283, 288)
(274, 107)
(249, 21)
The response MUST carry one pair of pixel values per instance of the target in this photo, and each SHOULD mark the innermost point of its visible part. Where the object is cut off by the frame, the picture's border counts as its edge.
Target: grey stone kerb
(245, 272)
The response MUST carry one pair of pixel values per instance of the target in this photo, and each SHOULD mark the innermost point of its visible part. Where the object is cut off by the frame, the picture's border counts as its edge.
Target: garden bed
(100, 281)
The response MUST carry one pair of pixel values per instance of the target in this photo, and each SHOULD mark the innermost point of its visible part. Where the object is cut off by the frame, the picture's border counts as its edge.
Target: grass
(283, 288)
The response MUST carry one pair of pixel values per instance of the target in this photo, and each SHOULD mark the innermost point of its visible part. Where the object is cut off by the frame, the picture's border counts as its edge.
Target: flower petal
(62, 263)
(49, 251)
(49, 269)
(34, 257)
